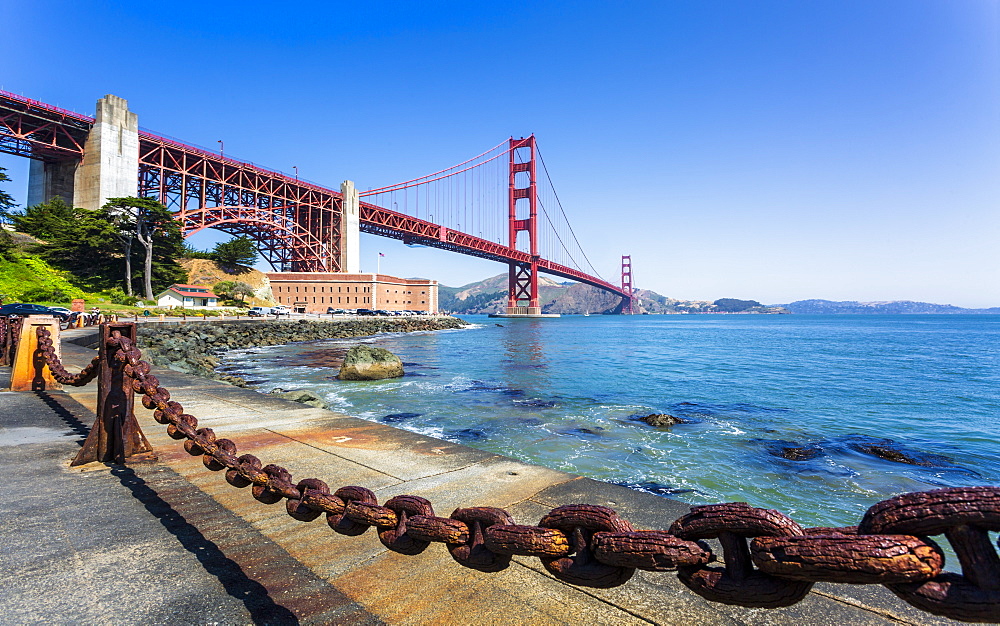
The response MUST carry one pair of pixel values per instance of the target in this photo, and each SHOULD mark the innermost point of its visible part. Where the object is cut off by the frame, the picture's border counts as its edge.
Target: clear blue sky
(767, 150)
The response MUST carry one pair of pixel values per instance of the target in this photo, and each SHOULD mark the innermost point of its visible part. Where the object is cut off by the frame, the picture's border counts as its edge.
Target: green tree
(46, 220)
(6, 200)
(149, 223)
(168, 246)
(89, 246)
(224, 288)
(237, 251)
(242, 290)
(190, 252)
(7, 246)
(77, 241)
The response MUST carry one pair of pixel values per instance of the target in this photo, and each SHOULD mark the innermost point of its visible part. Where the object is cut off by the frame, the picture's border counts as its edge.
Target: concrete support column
(110, 166)
(47, 180)
(350, 229)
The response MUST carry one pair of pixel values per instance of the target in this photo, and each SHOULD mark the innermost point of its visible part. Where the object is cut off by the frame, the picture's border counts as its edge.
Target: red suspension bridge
(500, 205)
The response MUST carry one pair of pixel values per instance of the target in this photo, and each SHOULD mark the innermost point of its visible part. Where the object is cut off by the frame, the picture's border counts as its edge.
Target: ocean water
(565, 393)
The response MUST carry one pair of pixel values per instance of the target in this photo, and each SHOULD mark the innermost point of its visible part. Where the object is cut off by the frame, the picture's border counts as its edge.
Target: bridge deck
(284, 571)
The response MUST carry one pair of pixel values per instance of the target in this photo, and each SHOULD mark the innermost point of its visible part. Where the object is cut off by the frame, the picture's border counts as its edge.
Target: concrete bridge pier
(109, 168)
(350, 229)
(48, 179)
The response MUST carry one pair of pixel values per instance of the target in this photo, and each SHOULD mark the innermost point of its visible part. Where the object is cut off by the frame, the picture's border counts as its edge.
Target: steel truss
(36, 130)
(296, 225)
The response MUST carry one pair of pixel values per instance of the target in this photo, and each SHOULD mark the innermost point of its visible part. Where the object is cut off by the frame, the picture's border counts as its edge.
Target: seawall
(194, 348)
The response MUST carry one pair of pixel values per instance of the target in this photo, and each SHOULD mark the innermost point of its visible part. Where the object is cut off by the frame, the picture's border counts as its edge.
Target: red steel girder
(376, 220)
(295, 224)
(40, 131)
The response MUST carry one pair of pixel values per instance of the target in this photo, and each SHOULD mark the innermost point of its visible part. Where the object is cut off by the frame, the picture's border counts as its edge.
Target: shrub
(118, 296)
(45, 294)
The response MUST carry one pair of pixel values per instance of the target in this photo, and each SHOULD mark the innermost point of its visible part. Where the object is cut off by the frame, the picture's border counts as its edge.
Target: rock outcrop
(798, 453)
(370, 363)
(891, 454)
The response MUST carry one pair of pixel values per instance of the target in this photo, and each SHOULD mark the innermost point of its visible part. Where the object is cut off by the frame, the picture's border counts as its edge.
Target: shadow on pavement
(254, 596)
(68, 415)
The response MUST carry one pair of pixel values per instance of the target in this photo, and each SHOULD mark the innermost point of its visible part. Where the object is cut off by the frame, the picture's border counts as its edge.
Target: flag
(380, 254)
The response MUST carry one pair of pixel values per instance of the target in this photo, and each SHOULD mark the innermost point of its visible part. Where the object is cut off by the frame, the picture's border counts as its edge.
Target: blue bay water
(565, 393)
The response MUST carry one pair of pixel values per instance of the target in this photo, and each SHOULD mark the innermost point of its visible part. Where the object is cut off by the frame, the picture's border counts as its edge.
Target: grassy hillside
(26, 278)
(29, 279)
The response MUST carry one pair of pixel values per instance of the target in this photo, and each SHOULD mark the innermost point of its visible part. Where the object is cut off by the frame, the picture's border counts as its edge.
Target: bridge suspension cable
(472, 197)
(469, 197)
(566, 219)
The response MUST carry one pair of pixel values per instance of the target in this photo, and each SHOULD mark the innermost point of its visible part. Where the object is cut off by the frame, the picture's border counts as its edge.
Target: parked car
(281, 309)
(367, 312)
(259, 311)
(23, 310)
(333, 311)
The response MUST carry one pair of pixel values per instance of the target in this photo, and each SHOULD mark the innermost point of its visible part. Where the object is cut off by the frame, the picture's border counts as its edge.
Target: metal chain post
(115, 435)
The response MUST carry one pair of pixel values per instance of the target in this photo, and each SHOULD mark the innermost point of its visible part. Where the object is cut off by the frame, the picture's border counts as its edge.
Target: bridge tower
(628, 299)
(107, 168)
(522, 298)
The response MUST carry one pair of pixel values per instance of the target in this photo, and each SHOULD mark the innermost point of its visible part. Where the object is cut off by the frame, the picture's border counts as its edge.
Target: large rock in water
(661, 419)
(368, 363)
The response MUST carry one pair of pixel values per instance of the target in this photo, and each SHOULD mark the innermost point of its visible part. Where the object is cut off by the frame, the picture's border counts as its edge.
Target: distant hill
(490, 296)
(896, 307)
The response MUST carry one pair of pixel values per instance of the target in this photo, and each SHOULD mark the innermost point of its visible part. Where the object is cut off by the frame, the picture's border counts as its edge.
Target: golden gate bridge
(500, 205)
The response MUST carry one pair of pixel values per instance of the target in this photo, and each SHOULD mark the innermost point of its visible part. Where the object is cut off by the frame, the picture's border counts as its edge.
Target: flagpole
(378, 269)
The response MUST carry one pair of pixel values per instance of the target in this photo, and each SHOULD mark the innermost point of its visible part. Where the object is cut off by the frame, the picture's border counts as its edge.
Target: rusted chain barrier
(115, 435)
(10, 330)
(48, 349)
(769, 560)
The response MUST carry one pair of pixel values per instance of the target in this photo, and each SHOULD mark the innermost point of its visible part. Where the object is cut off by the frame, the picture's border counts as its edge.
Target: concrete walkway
(171, 542)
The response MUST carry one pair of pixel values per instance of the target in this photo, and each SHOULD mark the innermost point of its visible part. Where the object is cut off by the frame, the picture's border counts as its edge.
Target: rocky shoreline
(195, 348)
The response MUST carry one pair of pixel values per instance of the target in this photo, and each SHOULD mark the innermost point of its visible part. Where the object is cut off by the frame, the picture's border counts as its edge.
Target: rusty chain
(59, 372)
(10, 330)
(769, 560)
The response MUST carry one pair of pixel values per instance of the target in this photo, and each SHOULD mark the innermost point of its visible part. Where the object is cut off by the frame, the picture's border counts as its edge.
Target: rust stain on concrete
(344, 437)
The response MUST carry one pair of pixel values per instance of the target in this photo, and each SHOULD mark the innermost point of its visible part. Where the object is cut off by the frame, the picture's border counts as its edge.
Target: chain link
(48, 350)
(474, 552)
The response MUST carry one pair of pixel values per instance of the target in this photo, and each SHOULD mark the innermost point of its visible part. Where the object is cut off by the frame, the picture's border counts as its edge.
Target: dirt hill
(207, 273)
